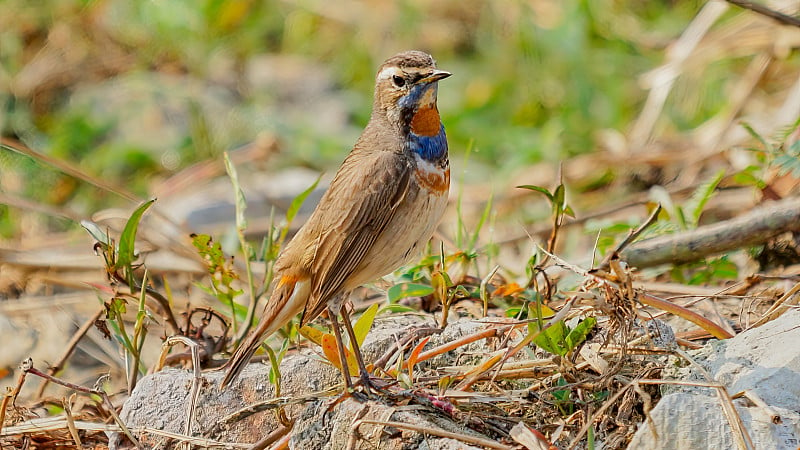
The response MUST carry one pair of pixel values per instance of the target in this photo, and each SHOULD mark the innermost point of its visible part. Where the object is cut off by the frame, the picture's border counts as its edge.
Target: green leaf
(680, 216)
(724, 269)
(128, 238)
(559, 197)
(404, 290)
(274, 371)
(561, 395)
(539, 189)
(486, 212)
(440, 282)
(749, 177)
(553, 339)
(297, 202)
(578, 335)
(115, 308)
(752, 132)
(694, 207)
(395, 308)
(363, 324)
(794, 148)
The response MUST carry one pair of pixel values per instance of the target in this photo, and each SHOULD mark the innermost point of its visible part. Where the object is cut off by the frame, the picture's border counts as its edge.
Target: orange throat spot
(426, 121)
(436, 182)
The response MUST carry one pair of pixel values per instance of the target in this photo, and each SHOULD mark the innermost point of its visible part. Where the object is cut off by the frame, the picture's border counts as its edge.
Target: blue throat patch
(429, 148)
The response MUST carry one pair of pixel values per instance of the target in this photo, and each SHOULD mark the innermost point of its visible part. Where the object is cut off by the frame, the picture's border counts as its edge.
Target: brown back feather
(362, 218)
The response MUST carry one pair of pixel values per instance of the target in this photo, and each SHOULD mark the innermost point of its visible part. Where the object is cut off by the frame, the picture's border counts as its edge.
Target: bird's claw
(371, 388)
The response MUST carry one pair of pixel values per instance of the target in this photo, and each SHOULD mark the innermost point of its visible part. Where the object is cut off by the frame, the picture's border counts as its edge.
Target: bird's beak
(435, 76)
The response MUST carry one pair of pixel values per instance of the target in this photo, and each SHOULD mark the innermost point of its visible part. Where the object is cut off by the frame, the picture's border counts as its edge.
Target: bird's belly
(405, 235)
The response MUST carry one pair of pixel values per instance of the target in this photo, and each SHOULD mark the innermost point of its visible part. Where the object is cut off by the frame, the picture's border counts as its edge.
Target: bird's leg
(337, 333)
(362, 368)
(364, 376)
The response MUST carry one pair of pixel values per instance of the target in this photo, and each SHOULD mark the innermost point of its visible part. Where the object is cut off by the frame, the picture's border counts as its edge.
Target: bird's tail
(287, 300)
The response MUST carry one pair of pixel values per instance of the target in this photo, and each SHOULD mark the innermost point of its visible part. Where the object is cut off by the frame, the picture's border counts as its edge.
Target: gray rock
(764, 361)
(312, 433)
(161, 401)
(693, 421)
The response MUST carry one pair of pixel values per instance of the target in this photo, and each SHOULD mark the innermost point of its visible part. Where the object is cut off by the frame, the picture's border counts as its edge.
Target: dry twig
(758, 8)
(487, 443)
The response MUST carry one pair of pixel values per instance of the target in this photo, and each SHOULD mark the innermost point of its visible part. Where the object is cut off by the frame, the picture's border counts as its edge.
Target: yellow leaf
(364, 323)
(547, 312)
(439, 285)
(312, 334)
(232, 13)
(507, 290)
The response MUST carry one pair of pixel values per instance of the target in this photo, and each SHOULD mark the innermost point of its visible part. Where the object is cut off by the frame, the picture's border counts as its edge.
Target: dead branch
(753, 228)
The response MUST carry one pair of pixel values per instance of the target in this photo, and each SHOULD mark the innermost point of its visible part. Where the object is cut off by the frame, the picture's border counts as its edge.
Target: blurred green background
(134, 91)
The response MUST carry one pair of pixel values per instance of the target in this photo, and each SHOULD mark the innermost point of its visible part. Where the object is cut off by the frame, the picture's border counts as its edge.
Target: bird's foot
(351, 391)
(365, 389)
(374, 387)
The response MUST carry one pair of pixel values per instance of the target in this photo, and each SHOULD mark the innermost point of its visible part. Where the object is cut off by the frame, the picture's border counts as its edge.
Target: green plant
(562, 398)
(780, 154)
(119, 261)
(559, 209)
(687, 215)
(221, 273)
(557, 339)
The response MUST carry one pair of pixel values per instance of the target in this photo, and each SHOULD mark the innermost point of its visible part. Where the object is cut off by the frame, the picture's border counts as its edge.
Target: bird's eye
(398, 81)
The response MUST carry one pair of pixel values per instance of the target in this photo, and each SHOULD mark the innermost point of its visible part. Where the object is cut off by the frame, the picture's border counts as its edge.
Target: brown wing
(361, 200)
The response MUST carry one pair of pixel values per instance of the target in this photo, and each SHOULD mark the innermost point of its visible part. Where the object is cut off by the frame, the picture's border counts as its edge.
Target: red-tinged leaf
(530, 438)
(101, 287)
(331, 351)
(412, 358)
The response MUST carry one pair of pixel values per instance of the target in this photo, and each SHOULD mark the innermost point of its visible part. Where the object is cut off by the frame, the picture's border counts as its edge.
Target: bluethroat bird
(380, 209)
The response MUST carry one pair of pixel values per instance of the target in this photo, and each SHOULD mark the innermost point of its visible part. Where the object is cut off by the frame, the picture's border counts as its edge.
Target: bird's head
(405, 92)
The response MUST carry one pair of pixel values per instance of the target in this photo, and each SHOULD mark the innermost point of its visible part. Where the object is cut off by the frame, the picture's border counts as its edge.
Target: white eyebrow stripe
(389, 72)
